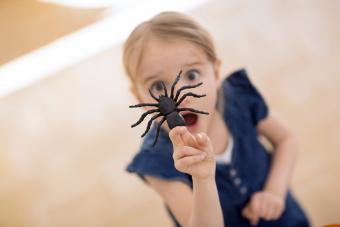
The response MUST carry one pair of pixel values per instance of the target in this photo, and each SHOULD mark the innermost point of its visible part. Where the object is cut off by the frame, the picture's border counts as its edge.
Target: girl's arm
(206, 204)
(269, 203)
(284, 155)
(192, 155)
(200, 207)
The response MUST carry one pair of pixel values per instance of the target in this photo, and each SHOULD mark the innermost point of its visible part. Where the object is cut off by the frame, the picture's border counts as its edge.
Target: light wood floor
(64, 142)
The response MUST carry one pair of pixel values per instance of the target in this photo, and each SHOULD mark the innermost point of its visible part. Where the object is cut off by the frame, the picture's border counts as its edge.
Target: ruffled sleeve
(249, 98)
(157, 161)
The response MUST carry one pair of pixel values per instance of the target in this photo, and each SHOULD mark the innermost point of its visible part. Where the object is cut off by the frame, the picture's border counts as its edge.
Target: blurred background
(65, 135)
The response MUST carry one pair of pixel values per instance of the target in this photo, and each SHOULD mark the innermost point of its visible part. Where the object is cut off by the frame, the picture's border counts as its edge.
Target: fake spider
(168, 107)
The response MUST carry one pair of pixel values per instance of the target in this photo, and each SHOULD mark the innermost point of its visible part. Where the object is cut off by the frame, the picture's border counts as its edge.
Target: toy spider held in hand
(168, 107)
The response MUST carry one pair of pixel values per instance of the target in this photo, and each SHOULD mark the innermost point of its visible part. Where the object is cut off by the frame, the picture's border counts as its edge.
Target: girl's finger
(202, 139)
(250, 215)
(186, 162)
(255, 210)
(277, 213)
(185, 151)
(254, 218)
(274, 212)
(246, 212)
(175, 136)
(271, 213)
(266, 212)
(256, 205)
(263, 209)
(188, 138)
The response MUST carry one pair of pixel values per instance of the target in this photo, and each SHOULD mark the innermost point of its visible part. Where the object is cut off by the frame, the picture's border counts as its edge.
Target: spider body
(167, 107)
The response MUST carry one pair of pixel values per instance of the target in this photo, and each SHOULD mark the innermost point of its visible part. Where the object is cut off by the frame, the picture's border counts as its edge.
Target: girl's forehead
(168, 56)
(164, 50)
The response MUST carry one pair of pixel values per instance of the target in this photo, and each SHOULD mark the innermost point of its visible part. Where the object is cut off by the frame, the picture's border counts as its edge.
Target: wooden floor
(30, 24)
(65, 141)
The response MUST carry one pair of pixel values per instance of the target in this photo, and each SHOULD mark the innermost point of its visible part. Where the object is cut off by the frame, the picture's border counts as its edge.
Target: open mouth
(190, 119)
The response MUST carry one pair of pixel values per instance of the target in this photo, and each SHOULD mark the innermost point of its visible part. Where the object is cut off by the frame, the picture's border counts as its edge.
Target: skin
(195, 149)
(162, 61)
(268, 204)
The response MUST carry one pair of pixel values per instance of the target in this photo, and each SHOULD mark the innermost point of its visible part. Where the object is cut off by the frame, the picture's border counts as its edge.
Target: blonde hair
(166, 25)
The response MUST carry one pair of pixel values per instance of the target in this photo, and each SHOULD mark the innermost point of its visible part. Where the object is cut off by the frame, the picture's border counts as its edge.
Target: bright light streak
(82, 44)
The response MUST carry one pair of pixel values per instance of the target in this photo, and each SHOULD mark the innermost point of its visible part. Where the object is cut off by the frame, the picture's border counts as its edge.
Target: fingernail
(203, 156)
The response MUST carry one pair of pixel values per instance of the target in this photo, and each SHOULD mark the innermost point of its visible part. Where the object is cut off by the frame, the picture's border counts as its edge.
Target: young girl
(213, 171)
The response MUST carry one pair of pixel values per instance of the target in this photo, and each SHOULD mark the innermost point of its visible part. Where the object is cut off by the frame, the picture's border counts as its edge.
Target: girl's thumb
(202, 139)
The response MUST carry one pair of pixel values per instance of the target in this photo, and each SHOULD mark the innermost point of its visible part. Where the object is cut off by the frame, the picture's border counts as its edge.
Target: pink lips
(191, 121)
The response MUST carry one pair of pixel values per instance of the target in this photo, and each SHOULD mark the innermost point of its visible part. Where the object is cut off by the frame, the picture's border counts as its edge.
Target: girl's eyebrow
(193, 63)
(150, 78)
(157, 74)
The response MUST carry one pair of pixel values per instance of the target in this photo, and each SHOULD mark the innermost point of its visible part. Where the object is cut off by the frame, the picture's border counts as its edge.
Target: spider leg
(143, 116)
(153, 96)
(149, 123)
(192, 110)
(174, 84)
(158, 128)
(144, 104)
(186, 87)
(189, 94)
(165, 90)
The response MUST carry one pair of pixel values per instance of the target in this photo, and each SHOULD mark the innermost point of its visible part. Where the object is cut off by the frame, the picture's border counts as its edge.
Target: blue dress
(243, 108)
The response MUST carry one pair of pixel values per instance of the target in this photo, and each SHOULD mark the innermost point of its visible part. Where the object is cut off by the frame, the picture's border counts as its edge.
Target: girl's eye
(157, 87)
(192, 75)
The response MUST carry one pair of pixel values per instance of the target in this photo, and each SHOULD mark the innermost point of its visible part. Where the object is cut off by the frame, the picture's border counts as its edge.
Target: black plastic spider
(168, 107)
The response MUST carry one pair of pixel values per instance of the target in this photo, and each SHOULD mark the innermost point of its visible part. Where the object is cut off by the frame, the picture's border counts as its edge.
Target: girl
(214, 171)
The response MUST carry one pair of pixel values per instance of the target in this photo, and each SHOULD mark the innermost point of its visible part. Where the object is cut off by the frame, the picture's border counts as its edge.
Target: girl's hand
(193, 154)
(263, 204)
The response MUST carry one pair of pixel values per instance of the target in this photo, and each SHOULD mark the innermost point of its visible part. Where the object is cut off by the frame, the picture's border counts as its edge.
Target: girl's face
(161, 61)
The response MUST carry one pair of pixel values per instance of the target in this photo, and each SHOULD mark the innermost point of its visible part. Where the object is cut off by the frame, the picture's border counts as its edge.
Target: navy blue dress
(244, 107)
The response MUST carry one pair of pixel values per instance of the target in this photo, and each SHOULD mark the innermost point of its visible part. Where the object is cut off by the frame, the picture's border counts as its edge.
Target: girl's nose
(186, 102)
